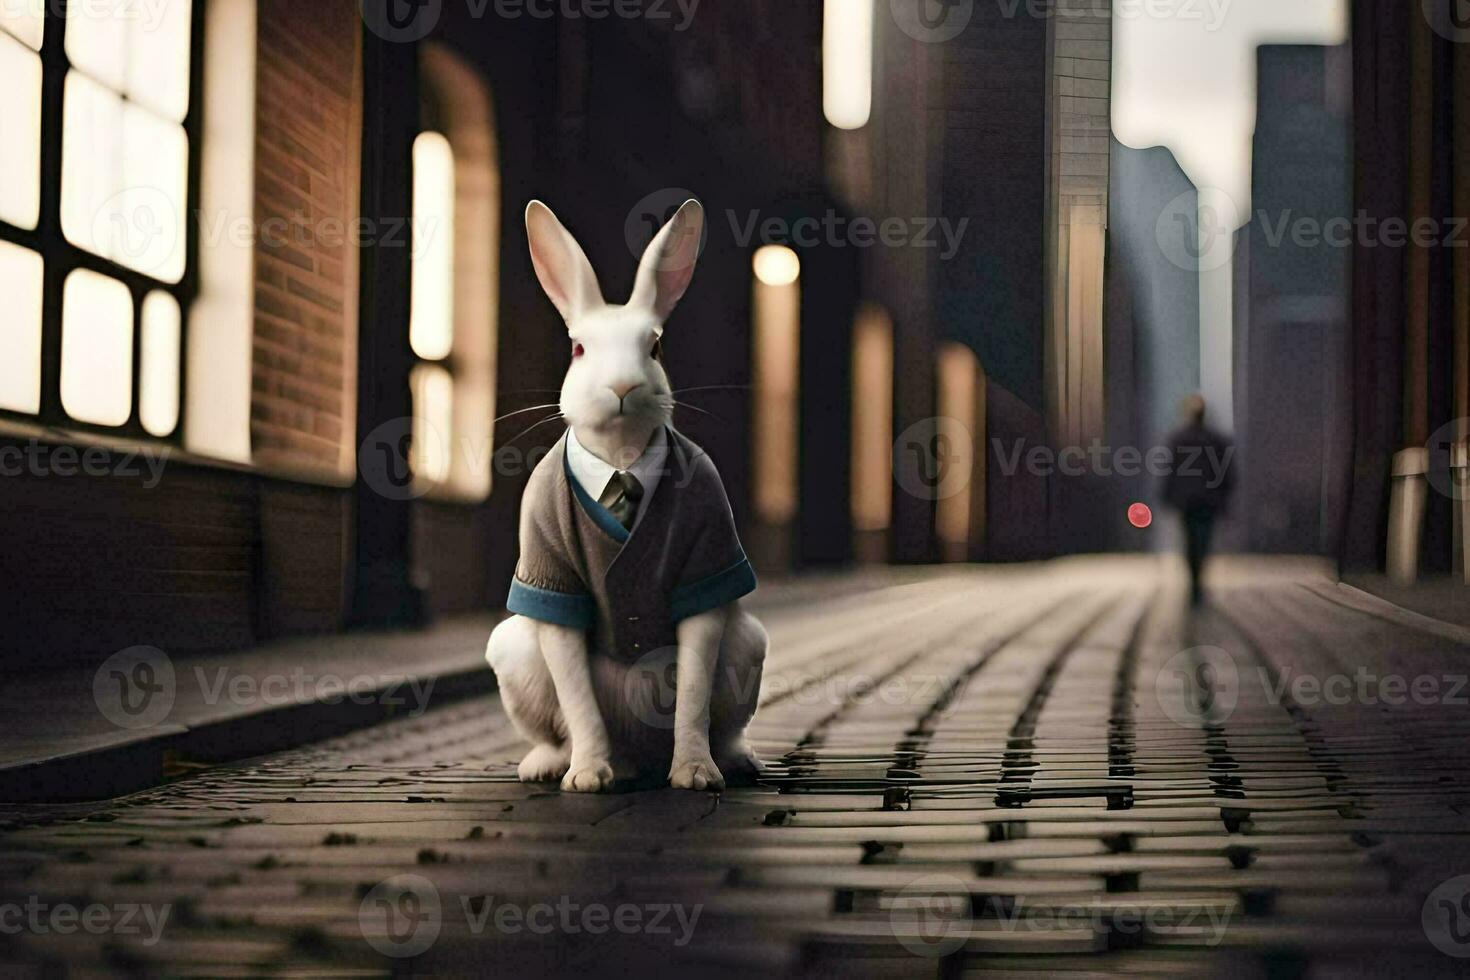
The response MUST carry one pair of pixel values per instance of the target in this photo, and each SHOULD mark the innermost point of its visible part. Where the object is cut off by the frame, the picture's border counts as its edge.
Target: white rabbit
(622, 586)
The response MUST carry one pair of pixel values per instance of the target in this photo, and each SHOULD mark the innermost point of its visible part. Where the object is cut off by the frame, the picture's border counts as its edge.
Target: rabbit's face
(616, 390)
(616, 378)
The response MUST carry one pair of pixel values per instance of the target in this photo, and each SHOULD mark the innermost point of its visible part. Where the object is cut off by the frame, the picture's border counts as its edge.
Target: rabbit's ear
(668, 265)
(560, 263)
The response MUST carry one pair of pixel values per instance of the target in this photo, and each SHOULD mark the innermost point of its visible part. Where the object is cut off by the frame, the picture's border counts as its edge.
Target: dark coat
(1202, 474)
(579, 567)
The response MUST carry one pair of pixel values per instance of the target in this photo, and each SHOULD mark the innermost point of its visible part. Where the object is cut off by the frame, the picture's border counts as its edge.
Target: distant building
(1293, 333)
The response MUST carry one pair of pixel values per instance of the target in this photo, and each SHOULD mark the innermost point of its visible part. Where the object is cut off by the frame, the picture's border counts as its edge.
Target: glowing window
(433, 422)
(872, 421)
(20, 133)
(431, 323)
(123, 98)
(847, 62)
(958, 372)
(453, 326)
(24, 20)
(124, 181)
(20, 329)
(777, 332)
(97, 349)
(158, 399)
(135, 49)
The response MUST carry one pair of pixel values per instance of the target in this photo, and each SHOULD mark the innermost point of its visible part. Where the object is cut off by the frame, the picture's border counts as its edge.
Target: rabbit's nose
(623, 391)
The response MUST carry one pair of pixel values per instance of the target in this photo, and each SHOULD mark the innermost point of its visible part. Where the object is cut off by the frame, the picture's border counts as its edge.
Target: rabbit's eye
(578, 350)
(658, 350)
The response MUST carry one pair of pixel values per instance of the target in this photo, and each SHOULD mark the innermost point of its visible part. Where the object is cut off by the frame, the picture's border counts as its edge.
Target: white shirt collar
(593, 475)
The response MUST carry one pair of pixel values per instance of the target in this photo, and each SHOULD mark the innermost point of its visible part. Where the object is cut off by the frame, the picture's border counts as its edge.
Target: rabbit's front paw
(544, 764)
(588, 776)
(697, 773)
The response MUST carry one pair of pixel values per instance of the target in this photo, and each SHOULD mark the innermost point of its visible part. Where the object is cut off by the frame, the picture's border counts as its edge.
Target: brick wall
(153, 553)
(153, 550)
(308, 144)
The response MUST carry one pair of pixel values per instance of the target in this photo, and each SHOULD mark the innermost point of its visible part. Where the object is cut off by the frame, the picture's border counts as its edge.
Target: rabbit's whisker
(701, 411)
(685, 391)
(554, 418)
(523, 411)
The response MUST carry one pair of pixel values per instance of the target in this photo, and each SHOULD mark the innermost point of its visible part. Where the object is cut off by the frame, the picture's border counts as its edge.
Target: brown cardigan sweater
(579, 567)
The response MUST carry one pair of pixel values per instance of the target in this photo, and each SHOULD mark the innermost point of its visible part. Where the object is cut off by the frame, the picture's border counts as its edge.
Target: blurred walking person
(1198, 486)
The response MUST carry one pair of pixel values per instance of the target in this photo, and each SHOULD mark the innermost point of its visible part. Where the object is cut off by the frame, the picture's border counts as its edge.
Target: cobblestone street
(1040, 770)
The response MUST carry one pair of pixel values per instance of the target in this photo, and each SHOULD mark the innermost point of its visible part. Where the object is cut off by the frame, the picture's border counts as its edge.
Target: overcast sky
(1184, 77)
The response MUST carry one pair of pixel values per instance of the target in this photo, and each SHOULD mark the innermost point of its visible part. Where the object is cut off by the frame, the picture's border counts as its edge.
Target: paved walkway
(1026, 771)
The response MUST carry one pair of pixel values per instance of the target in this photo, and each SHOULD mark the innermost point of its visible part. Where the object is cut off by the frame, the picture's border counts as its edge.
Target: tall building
(1293, 332)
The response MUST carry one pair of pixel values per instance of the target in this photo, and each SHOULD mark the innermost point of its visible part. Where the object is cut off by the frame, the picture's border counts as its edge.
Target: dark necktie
(621, 498)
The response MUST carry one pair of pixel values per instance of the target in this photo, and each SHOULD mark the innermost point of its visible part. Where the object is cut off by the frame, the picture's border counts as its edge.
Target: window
(106, 219)
(431, 318)
(431, 326)
(20, 149)
(777, 334)
(21, 271)
(960, 399)
(872, 430)
(452, 322)
(163, 324)
(96, 349)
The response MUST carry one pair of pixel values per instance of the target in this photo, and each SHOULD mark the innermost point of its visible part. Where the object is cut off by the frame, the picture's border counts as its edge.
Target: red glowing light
(1140, 516)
